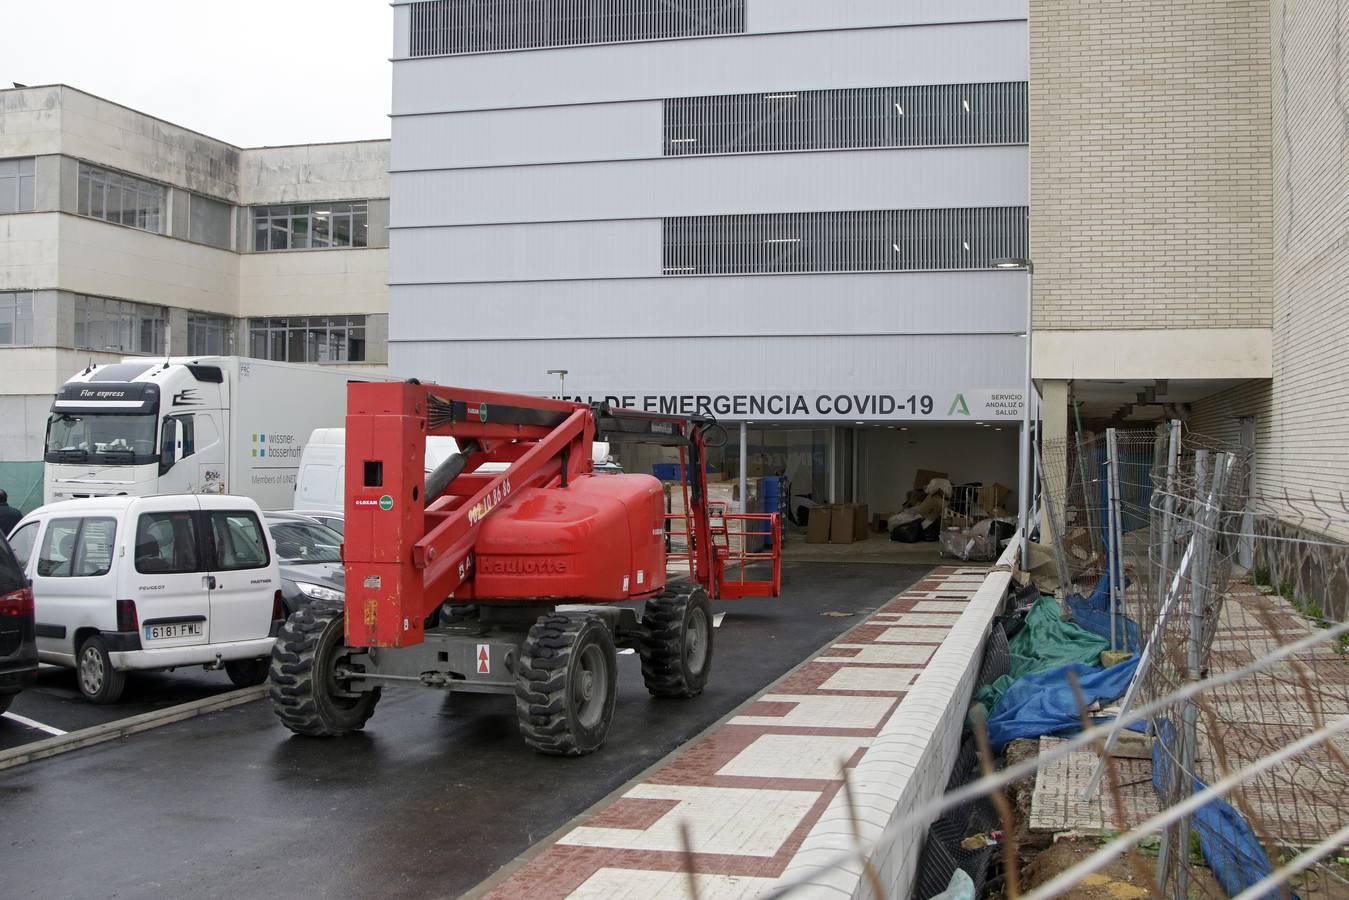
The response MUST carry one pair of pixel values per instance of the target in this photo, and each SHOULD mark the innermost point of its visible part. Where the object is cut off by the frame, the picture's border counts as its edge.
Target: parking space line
(97, 734)
(32, 723)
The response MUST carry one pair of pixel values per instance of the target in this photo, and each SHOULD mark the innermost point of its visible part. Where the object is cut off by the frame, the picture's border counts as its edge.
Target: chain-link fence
(1235, 608)
(1209, 580)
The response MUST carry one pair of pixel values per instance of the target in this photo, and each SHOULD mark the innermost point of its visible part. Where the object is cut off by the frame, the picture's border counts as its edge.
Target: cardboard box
(842, 527)
(923, 476)
(881, 521)
(931, 507)
(752, 485)
(859, 522)
(994, 495)
(818, 523)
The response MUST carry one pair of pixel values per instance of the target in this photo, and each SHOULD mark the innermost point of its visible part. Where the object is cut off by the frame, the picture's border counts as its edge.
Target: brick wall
(1302, 415)
(1150, 163)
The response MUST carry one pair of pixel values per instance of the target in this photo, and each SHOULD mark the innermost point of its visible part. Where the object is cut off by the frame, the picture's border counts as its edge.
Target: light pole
(1025, 465)
(562, 378)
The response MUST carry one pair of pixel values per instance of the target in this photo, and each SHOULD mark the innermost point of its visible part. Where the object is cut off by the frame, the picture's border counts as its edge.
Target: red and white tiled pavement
(750, 790)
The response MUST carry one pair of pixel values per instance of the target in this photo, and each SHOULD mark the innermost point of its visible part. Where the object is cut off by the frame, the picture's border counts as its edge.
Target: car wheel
(247, 672)
(99, 681)
(5, 701)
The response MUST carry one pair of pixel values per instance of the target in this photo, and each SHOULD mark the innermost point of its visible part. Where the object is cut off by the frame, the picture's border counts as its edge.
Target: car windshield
(306, 542)
(116, 439)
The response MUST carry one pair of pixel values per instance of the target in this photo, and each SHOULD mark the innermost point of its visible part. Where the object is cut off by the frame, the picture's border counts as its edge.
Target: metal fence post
(1113, 549)
(1168, 505)
(1206, 522)
(1060, 548)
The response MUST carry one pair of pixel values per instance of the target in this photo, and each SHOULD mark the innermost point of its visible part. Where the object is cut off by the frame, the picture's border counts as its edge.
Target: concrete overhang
(1179, 353)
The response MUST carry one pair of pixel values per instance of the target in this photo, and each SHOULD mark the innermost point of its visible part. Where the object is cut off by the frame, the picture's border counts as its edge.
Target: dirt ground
(1121, 879)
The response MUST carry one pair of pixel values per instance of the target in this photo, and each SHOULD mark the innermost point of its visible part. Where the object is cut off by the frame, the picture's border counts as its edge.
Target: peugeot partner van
(126, 583)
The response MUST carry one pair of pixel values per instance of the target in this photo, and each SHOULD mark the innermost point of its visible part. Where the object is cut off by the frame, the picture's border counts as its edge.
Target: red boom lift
(472, 578)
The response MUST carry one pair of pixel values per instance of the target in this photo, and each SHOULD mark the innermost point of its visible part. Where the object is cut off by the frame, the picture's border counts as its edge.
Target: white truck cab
(124, 583)
(190, 425)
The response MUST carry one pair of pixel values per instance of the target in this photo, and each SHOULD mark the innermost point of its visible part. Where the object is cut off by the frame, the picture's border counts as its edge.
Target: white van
(124, 583)
(321, 482)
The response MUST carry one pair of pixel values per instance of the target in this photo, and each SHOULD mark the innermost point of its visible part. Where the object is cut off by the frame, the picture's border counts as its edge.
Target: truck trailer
(194, 425)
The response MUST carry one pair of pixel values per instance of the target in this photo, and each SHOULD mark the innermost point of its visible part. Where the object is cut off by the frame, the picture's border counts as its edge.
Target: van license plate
(175, 630)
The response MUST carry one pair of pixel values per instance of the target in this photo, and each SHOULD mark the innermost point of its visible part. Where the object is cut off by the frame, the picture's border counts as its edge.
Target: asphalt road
(436, 795)
(54, 700)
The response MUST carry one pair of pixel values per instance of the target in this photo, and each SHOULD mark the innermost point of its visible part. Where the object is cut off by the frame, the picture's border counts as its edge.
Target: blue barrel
(771, 500)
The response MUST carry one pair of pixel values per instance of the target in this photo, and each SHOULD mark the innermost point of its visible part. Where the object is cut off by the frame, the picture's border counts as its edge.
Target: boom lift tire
(305, 693)
(676, 642)
(458, 613)
(566, 684)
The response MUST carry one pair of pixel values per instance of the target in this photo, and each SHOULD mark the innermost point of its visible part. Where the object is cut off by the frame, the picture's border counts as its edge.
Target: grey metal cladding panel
(685, 186)
(935, 54)
(402, 32)
(715, 365)
(523, 136)
(609, 249)
(909, 303)
(798, 15)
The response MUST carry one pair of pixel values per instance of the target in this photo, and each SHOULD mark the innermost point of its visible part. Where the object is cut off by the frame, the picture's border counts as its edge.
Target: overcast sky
(249, 72)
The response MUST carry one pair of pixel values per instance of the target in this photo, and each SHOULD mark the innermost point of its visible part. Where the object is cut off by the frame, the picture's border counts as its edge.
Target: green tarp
(1044, 643)
(23, 482)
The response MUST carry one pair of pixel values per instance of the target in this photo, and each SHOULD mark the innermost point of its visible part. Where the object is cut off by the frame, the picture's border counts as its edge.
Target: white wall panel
(935, 54)
(788, 182)
(114, 261)
(862, 364)
(751, 305)
(532, 135)
(763, 16)
(608, 249)
(402, 31)
(302, 282)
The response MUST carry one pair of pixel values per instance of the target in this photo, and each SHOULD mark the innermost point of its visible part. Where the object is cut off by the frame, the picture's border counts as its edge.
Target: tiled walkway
(750, 791)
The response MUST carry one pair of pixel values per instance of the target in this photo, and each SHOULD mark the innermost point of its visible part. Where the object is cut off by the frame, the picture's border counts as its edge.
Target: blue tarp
(1228, 843)
(1044, 703)
(1093, 613)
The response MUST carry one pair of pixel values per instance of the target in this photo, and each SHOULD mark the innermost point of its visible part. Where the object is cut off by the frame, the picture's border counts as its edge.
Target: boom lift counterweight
(502, 571)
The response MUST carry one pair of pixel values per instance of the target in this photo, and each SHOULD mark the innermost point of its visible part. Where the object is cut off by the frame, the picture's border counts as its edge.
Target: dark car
(18, 650)
(328, 518)
(310, 559)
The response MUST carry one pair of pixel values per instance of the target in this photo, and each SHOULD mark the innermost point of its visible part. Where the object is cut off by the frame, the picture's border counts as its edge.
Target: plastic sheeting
(1093, 613)
(1044, 643)
(1044, 703)
(1228, 843)
(960, 888)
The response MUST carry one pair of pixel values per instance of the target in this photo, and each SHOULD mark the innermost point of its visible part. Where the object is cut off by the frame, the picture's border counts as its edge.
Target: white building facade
(775, 211)
(122, 234)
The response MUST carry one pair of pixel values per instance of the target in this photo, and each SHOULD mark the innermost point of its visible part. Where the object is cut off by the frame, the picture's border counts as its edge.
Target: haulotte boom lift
(502, 571)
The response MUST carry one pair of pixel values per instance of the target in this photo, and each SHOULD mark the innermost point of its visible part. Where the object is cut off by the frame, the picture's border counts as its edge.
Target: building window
(118, 326)
(309, 226)
(209, 222)
(894, 240)
(209, 335)
(444, 27)
(925, 115)
(16, 185)
(313, 339)
(120, 199)
(16, 319)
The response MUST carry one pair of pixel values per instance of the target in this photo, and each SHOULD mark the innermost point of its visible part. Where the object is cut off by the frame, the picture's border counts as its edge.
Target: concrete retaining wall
(907, 766)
